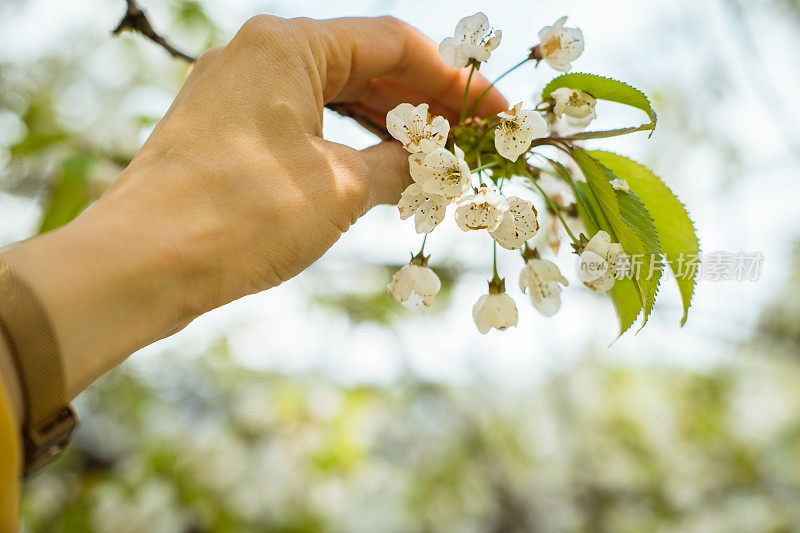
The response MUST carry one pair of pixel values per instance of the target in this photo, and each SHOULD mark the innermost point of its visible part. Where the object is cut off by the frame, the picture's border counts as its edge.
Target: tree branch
(135, 19)
(346, 111)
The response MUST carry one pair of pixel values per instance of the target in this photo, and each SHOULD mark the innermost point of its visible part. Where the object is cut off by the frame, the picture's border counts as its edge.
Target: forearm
(110, 282)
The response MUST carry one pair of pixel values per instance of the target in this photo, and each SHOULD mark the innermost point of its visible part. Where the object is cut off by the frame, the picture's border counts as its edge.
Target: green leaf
(675, 229)
(582, 136)
(624, 294)
(626, 303)
(629, 224)
(69, 195)
(604, 88)
(635, 214)
(587, 209)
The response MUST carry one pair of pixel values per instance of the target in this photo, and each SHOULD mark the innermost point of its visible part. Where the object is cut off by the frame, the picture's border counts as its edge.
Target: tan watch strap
(49, 420)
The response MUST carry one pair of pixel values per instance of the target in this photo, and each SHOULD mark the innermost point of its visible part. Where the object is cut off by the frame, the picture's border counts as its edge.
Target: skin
(235, 191)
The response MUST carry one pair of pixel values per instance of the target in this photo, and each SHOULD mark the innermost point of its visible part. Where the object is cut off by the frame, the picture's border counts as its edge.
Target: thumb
(387, 175)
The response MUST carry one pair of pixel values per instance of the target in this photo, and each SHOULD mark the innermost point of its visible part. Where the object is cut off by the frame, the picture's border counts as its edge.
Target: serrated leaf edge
(652, 114)
(688, 216)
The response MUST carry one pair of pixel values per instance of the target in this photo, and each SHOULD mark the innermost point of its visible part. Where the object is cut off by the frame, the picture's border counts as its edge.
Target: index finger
(362, 48)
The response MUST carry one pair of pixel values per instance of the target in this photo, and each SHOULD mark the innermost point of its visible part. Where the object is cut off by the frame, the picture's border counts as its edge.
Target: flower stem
(425, 238)
(494, 260)
(485, 133)
(503, 178)
(484, 167)
(554, 208)
(486, 90)
(466, 94)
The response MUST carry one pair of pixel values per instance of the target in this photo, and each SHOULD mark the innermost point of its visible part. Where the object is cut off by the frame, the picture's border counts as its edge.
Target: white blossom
(542, 279)
(559, 46)
(482, 210)
(619, 184)
(517, 225)
(472, 41)
(414, 286)
(416, 128)
(494, 310)
(428, 209)
(598, 262)
(441, 172)
(517, 129)
(577, 105)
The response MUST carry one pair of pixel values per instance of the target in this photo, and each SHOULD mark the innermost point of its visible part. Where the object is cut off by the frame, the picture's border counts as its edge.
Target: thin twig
(135, 19)
(347, 111)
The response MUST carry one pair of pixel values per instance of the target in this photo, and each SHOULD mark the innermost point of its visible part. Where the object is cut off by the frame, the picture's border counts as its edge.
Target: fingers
(387, 172)
(360, 49)
(382, 95)
(370, 114)
(197, 69)
(366, 178)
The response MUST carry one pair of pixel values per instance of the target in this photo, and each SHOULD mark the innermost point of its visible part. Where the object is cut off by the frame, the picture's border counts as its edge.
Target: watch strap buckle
(44, 443)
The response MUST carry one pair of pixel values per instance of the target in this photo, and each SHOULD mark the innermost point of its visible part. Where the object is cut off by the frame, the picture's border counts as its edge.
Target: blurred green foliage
(41, 129)
(210, 445)
(69, 194)
(780, 321)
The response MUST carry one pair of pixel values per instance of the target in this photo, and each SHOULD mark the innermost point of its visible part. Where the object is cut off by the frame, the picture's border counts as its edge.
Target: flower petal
(511, 141)
(547, 303)
(450, 52)
(411, 200)
(494, 42)
(572, 43)
(417, 168)
(560, 46)
(518, 225)
(542, 279)
(414, 127)
(515, 133)
(414, 286)
(599, 243)
(479, 316)
(494, 311)
(536, 123)
(620, 184)
(472, 29)
(430, 214)
(483, 210)
(441, 173)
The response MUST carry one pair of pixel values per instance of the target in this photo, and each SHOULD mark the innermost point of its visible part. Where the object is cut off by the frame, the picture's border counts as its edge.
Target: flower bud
(414, 286)
(495, 310)
(542, 280)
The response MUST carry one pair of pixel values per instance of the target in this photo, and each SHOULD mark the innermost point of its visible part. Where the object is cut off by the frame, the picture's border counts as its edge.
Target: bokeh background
(322, 405)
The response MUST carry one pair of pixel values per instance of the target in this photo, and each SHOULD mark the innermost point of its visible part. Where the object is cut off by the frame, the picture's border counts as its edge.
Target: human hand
(236, 191)
(261, 195)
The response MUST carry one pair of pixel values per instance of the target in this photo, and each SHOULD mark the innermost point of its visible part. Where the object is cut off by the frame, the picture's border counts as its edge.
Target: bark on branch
(135, 19)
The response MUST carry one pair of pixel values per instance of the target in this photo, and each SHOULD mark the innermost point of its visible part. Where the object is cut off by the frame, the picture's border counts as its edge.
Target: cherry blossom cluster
(442, 177)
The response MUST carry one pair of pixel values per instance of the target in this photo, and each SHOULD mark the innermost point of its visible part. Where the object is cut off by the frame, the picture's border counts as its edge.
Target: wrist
(109, 284)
